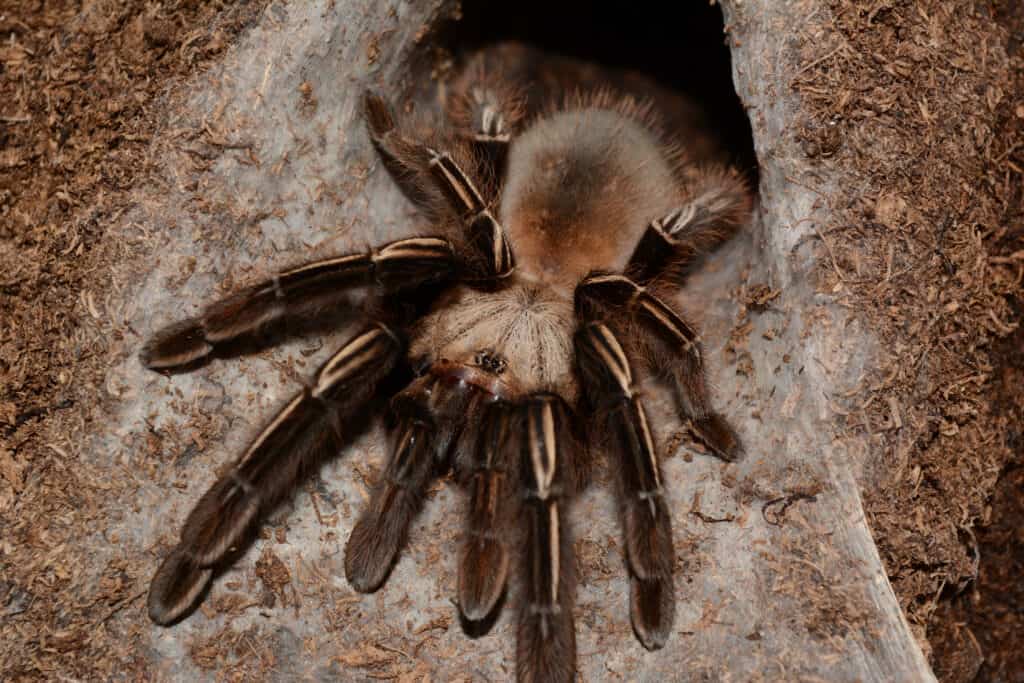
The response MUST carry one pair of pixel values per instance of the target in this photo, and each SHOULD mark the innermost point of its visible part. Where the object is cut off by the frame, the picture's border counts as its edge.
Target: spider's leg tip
(482, 576)
(365, 576)
(175, 347)
(369, 556)
(718, 437)
(652, 606)
(738, 454)
(377, 113)
(177, 589)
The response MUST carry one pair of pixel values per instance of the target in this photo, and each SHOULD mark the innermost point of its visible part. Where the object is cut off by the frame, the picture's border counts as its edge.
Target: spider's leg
(483, 565)
(483, 231)
(403, 157)
(399, 265)
(716, 205)
(673, 349)
(315, 423)
(486, 107)
(546, 638)
(647, 526)
(435, 179)
(383, 527)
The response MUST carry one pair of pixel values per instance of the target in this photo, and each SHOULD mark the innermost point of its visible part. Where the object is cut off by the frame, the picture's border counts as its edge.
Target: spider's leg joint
(489, 237)
(240, 482)
(455, 184)
(366, 352)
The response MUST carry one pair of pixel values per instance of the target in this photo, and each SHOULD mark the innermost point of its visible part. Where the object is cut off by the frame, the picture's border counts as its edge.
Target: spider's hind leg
(443, 177)
(402, 156)
(487, 108)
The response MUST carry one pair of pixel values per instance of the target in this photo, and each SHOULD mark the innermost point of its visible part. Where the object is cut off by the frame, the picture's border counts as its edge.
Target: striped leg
(399, 265)
(671, 343)
(313, 424)
(546, 639)
(383, 527)
(483, 566)
(484, 232)
(646, 523)
(403, 158)
(718, 205)
(430, 177)
(488, 108)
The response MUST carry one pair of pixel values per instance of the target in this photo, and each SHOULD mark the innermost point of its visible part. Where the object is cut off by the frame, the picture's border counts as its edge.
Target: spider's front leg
(400, 265)
(646, 522)
(312, 425)
(546, 636)
(484, 561)
(383, 527)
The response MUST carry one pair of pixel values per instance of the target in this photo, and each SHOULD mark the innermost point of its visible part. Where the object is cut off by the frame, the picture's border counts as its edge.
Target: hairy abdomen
(582, 186)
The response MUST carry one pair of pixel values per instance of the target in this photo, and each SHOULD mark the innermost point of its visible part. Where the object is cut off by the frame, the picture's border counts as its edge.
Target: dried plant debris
(83, 94)
(915, 106)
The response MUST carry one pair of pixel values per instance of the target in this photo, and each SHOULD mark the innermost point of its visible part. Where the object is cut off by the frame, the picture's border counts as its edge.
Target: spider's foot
(377, 114)
(546, 645)
(715, 434)
(176, 346)
(652, 608)
(482, 575)
(177, 588)
(374, 543)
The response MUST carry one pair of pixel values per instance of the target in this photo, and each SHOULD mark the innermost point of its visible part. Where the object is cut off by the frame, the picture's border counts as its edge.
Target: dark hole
(681, 45)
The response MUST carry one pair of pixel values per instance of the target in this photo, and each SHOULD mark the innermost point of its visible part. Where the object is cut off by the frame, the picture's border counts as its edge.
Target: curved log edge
(267, 164)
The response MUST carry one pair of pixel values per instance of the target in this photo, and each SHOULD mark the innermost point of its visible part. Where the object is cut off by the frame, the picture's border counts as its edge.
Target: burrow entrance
(680, 45)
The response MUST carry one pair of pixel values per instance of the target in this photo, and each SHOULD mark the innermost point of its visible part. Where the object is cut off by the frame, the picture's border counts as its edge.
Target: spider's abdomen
(522, 335)
(582, 186)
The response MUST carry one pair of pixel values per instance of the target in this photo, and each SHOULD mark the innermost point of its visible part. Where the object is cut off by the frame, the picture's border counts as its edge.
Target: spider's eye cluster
(491, 362)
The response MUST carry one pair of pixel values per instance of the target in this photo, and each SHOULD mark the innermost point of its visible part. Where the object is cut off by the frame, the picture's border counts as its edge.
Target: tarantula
(561, 212)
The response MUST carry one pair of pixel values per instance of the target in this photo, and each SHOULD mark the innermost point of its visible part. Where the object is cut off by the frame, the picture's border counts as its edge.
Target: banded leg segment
(719, 204)
(483, 566)
(672, 347)
(646, 522)
(483, 231)
(487, 108)
(435, 179)
(383, 527)
(311, 426)
(546, 638)
(404, 264)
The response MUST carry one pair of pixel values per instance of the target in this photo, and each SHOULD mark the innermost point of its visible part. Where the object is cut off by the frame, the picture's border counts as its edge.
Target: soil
(924, 99)
(979, 628)
(920, 106)
(84, 89)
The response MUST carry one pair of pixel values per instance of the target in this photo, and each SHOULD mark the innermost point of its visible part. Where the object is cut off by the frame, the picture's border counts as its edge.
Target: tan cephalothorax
(521, 322)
